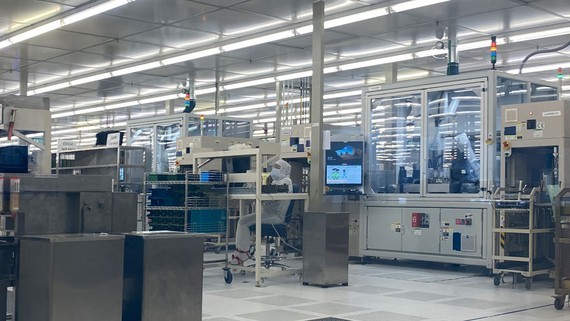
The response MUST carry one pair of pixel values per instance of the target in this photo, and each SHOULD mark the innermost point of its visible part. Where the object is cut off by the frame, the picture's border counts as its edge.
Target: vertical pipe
(453, 56)
(24, 70)
(278, 103)
(317, 163)
(391, 73)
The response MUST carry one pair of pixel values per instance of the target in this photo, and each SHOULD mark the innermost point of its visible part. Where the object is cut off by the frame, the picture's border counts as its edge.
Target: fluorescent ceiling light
(84, 14)
(158, 99)
(249, 83)
(304, 30)
(480, 44)
(36, 31)
(130, 70)
(370, 14)
(375, 62)
(49, 88)
(414, 4)
(121, 105)
(540, 34)
(89, 110)
(551, 67)
(87, 13)
(191, 56)
(371, 51)
(259, 40)
(90, 79)
(343, 94)
(5, 43)
(60, 115)
(296, 75)
(253, 28)
(205, 91)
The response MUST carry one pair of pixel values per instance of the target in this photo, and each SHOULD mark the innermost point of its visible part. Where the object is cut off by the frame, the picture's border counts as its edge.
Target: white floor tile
(379, 292)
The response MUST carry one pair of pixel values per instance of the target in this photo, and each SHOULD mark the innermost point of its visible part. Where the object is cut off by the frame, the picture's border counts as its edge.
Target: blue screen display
(344, 175)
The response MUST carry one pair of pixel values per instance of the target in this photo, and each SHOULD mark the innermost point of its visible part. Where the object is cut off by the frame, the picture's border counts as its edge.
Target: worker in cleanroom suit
(273, 213)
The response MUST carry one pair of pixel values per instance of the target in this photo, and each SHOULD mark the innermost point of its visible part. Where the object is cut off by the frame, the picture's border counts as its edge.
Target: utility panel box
(325, 249)
(536, 121)
(70, 277)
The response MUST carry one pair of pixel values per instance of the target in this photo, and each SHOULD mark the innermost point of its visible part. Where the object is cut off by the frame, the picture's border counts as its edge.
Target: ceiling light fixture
(263, 39)
(540, 34)
(81, 15)
(414, 4)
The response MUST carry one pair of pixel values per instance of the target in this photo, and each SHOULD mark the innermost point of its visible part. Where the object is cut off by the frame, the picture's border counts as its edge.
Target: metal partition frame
(379, 204)
(183, 120)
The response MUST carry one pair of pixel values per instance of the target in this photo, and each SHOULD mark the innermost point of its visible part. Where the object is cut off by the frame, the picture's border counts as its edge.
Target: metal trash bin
(163, 276)
(325, 249)
(70, 277)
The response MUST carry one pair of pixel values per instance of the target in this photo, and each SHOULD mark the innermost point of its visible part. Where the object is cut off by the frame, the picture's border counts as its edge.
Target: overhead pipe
(453, 53)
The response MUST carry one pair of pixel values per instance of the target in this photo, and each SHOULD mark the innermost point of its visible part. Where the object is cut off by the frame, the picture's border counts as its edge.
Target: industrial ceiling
(127, 62)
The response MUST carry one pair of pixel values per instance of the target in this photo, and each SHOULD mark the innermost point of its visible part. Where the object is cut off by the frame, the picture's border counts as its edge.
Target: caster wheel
(228, 277)
(217, 250)
(559, 302)
(497, 280)
(528, 283)
(305, 283)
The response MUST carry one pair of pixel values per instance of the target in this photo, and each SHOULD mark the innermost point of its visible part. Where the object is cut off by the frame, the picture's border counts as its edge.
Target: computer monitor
(343, 175)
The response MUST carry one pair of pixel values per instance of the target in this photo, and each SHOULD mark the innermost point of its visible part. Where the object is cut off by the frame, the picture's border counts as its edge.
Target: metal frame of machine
(180, 121)
(457, 226)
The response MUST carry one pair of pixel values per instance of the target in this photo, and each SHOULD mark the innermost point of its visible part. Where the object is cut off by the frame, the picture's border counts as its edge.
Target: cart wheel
(228, 277)
(217, 250)
(497, 280)
(559, 302)
(528, 283)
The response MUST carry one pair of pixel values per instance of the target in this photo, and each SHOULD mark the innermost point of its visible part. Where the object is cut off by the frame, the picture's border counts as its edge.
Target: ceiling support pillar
(317, 157)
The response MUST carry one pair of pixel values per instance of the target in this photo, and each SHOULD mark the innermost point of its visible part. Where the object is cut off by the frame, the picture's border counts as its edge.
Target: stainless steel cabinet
(163, 276)
(70, 277)
(325, 249)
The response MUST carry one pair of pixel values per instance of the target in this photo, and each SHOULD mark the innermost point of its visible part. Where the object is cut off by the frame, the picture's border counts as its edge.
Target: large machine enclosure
(433, 161)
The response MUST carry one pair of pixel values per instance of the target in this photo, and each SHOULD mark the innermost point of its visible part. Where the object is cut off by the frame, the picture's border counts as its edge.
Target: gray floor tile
(368, 289)
(400, 276)
(330, 308)
(475, 303)
(239, 293)
(276, 315)
(419, 296)
(220, 319)
(281, 300)
(385, 315)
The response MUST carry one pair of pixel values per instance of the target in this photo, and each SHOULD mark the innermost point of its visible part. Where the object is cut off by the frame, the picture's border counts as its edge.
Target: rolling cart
(522, 235)
(562, 248)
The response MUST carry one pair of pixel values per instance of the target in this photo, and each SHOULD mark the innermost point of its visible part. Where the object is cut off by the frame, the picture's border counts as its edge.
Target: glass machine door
(454, 140)
(396, 138)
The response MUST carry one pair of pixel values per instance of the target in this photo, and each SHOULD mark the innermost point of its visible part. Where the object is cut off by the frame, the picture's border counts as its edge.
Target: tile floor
(401, 291)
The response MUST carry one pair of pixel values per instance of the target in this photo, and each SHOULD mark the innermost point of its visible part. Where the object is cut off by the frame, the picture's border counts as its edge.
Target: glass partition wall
(440, 137)
(159, 134)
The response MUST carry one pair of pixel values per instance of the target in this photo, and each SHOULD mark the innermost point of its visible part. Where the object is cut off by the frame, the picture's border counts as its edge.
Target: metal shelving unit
(126, 164)
(187, 203)
(562, 248)
(522, 236)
